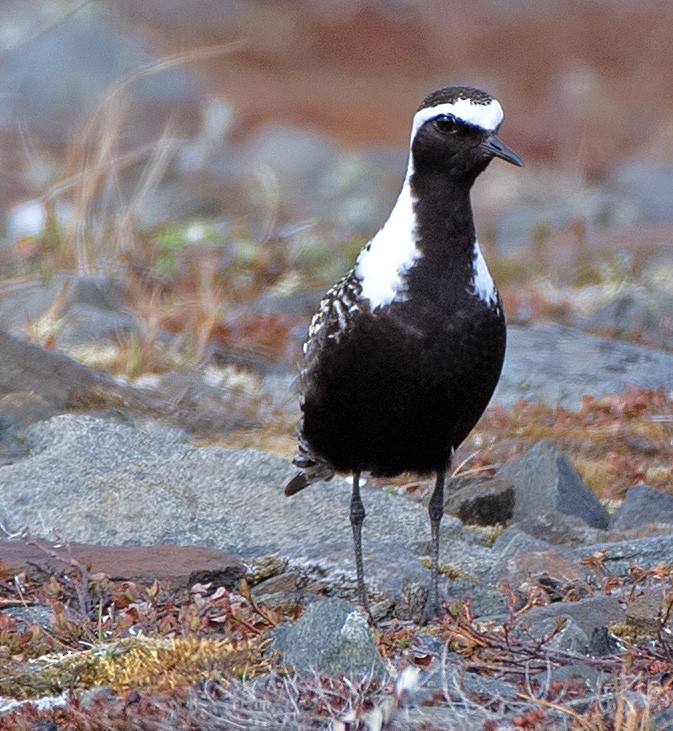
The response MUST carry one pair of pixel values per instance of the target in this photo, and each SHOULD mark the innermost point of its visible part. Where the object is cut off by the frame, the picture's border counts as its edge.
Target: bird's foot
(434, 610)
(363, 604)
(368, 616)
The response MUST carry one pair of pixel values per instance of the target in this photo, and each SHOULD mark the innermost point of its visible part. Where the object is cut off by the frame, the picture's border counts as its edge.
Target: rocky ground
(179, 192)
(93, 480)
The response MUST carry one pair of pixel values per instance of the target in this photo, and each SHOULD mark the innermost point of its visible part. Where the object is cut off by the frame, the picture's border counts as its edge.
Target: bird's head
(455, 131)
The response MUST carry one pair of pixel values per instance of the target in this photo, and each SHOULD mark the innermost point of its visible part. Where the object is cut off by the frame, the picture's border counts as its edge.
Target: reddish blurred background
(286, 148)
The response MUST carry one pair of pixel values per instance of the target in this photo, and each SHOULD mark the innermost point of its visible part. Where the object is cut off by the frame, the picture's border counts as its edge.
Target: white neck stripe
(382, 265)
(482, 282)
(487, 116)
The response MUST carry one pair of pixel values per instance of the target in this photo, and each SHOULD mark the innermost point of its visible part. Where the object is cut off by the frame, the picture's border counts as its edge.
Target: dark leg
(357, 518)
(436, 510)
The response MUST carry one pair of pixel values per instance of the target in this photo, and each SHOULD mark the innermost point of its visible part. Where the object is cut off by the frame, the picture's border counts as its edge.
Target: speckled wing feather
(335, 315)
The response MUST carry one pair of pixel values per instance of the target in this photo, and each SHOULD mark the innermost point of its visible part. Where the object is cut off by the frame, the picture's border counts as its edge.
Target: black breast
(403, 386)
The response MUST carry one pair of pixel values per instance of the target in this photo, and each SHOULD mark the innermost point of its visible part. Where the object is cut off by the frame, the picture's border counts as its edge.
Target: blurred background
(181, 181)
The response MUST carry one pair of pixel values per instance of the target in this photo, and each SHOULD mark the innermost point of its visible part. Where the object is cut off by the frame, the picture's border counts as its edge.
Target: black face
(448, 144)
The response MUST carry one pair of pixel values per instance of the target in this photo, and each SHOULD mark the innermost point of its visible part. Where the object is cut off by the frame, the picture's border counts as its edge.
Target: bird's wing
(335, 315)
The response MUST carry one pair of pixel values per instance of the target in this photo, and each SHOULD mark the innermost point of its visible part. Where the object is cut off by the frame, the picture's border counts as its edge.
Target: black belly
(391, 396)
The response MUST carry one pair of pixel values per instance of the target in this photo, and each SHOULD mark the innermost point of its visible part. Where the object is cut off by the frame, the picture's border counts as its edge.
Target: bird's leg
(357, 518)
(436, 510)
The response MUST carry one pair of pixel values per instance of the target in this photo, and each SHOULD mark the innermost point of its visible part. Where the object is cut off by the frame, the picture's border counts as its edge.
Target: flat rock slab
(37, 382)
(182, 565)
(561, 364)
(622, 555)
(589, 614)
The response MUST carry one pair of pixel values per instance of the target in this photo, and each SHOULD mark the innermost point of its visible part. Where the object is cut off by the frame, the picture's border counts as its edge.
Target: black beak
(493, 145)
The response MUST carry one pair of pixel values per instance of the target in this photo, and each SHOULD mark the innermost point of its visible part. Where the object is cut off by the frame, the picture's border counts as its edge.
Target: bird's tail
(311, 469)
(297, 484)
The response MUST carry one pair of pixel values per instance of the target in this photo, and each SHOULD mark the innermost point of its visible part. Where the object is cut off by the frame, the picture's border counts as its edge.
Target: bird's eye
(447, 124)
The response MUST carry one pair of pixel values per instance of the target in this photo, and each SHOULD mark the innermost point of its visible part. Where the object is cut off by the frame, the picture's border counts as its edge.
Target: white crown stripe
(487, 116)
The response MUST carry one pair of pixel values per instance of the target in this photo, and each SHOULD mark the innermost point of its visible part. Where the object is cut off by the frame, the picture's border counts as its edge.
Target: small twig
(464, 462)
(18, 534)
(19, 590)
(82, 583)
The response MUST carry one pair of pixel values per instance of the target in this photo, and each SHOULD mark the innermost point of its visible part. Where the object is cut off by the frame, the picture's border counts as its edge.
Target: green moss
(489, 532)
(137, 663)
(453, 572)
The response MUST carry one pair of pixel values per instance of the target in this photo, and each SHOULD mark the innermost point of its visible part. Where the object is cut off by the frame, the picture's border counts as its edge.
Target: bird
(405, 351)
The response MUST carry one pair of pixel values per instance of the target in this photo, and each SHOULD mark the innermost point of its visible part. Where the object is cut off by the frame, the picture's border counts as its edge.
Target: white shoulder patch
(487, 116)
(482, 282)
(381, 265)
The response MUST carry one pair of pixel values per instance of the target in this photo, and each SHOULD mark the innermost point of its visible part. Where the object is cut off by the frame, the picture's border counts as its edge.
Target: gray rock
(643, 504)
(209, 410)
(25, 407)
(333, 637)
(544, 481)
(18, 410)
(104, 292)
(485, 600)
(352, 189)
(330, 562)
(31, 299)
(447, 673)
(94, 481)
(521, 558)
(555, 528)
(57, 379)
(480, 501)
(586, 614)
(12, 440)
(54, 383)
(560, 364)
(514, 542)
(621, 555)
(93, 312)
(602, 642)
(568, 634)
(300, 157)
(632, 315)
(648, 184)
(84, 324)
(52, 84)
(591, 677)
(643, 614)
(41, 614)
(91, 309)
